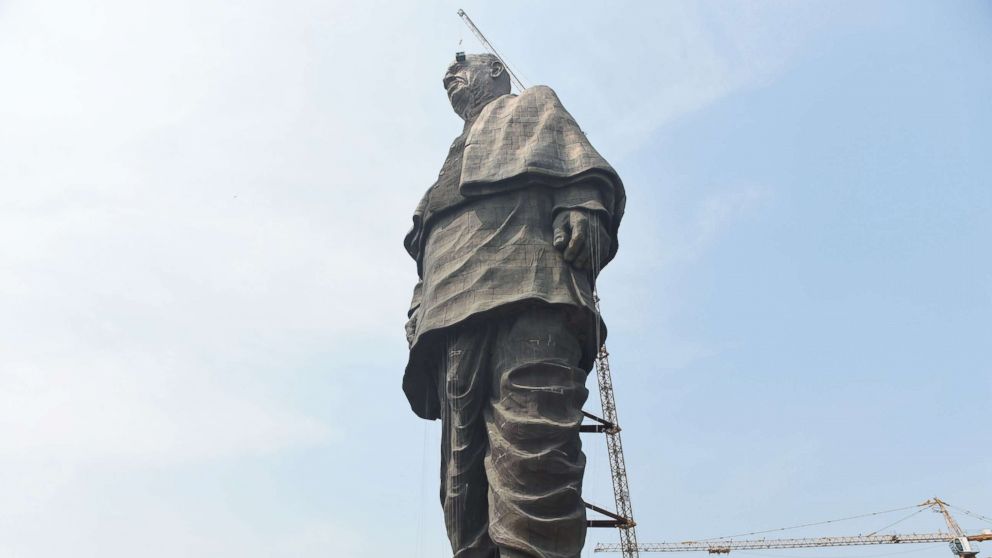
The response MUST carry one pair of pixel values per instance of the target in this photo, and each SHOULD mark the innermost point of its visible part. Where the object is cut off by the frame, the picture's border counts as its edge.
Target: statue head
(473, 80)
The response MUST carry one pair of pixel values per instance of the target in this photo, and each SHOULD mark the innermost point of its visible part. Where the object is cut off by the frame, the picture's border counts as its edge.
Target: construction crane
(608, 424)
(961, 543)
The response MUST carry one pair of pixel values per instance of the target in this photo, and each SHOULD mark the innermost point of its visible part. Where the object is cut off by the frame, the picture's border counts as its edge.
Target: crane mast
(961, 544)
(618, 468)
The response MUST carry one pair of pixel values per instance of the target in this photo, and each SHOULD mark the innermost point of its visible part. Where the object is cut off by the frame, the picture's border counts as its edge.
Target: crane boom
(724, 547)
(485, 43)
(960, 542)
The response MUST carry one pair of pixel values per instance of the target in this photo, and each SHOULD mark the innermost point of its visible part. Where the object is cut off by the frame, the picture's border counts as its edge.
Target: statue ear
(495, 69)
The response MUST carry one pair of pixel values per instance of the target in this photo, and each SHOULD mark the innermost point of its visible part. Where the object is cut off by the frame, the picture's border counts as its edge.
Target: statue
(503, 328)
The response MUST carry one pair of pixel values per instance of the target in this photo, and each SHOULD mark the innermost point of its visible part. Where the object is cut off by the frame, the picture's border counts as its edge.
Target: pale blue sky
(203, 288)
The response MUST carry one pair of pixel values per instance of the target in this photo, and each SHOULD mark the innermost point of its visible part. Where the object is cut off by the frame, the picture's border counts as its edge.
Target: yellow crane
(962, 544)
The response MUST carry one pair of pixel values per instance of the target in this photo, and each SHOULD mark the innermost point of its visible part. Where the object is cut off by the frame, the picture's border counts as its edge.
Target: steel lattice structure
(960, 542)
(724, 547)
(618, 469)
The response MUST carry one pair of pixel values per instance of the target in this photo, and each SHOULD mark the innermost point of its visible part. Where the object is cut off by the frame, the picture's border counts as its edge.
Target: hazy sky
(203, 286)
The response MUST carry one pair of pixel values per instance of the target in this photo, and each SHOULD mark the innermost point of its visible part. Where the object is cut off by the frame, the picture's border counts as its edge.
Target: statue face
(472, 83)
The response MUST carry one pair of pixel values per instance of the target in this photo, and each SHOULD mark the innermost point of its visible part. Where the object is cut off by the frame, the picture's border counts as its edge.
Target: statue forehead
(470, 61)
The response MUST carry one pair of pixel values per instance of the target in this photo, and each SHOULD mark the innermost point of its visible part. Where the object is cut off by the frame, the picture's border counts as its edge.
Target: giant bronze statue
(503, 328)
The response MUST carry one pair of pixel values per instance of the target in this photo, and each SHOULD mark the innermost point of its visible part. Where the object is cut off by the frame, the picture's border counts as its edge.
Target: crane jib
(961, 543)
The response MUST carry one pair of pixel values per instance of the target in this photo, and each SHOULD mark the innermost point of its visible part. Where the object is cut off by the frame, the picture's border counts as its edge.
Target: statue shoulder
(540, 94)
(539, 99)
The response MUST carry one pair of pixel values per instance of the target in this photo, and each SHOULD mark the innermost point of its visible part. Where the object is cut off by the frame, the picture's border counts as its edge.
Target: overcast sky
(203, 286)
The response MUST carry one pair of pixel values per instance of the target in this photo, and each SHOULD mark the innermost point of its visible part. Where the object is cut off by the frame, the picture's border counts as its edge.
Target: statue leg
(464, 391)
(535, 462)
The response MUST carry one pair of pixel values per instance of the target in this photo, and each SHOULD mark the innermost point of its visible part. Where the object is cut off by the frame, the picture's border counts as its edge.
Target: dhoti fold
(511, 392)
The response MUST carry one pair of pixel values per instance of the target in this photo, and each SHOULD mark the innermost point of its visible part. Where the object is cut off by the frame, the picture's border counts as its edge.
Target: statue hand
(411, 329)
(577, 232)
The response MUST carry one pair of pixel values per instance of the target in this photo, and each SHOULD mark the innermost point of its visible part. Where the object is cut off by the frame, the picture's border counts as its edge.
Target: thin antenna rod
(488, 46)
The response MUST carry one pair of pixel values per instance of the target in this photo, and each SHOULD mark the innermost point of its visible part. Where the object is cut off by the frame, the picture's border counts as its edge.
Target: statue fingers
(577, 243)
(561, 230)
(411, 330)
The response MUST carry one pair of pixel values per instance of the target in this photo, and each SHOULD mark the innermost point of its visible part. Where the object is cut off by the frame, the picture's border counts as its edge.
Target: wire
(926, 546)
(810, 524)
(972, 514)
(423, 492)
(898, 522)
